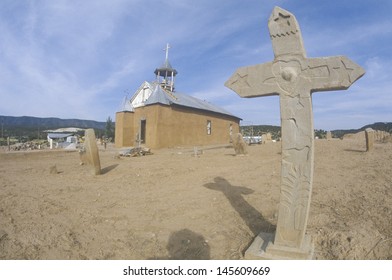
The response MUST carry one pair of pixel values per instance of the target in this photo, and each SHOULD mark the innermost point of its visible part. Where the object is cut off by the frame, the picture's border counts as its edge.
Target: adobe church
(157, 116)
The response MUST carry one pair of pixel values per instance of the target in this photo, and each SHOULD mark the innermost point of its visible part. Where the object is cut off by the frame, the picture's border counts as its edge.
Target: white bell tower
(166, 73)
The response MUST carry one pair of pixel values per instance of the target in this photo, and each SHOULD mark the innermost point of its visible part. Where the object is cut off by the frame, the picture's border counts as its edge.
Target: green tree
(320, 133)
(109, 129)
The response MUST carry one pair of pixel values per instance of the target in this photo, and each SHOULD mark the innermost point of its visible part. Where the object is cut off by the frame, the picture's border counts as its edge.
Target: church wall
(149, 114)
(172, 126)
(195, 130)
(124, 132)
(179, 126)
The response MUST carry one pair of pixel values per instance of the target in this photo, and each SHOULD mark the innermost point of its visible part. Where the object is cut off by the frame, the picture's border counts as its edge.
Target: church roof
(161, 96)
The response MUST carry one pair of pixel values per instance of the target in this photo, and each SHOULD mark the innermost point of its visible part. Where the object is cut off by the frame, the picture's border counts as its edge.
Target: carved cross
(294, 77)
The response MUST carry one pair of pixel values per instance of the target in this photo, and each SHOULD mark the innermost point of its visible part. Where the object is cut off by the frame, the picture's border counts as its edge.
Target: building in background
(159, 117)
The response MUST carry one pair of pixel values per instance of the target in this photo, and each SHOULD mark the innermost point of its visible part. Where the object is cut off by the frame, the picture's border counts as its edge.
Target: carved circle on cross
(287, 74)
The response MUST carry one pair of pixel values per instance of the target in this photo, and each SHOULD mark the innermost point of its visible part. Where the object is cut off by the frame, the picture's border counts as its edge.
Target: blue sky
(79, 59)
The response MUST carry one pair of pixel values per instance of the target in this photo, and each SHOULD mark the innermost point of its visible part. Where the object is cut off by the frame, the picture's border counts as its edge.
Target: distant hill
(384, 126)
(249, 130)
(50, 123)
(33, 127)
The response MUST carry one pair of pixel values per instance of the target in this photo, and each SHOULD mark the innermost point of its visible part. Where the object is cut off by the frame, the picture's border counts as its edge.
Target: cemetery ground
(174, 205)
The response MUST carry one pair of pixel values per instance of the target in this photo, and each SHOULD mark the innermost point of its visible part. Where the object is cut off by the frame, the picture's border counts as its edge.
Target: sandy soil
(172, 205)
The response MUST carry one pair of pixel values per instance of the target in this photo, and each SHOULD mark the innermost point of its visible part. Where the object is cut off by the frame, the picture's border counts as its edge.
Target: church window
(208, 127)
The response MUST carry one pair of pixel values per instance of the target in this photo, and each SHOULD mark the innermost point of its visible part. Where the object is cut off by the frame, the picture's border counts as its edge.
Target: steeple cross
(167, 51)
(293, 77)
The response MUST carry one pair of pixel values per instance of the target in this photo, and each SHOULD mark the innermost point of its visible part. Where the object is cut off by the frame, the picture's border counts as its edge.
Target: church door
(143, 131)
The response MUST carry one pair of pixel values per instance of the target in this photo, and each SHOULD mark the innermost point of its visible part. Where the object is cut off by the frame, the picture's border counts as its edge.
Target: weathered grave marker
(53, 169)
(293, 77)
(329, 135)
(266, 138)
(91, 148)
(239, 144)
(369, 134)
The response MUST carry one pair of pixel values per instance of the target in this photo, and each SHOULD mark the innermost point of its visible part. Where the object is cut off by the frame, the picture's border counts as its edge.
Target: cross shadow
(108, 168)
(253, 219)
(186, 245)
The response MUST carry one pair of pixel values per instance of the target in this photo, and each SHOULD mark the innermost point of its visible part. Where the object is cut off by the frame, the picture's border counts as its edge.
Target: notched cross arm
(332, 73)
(253, 81)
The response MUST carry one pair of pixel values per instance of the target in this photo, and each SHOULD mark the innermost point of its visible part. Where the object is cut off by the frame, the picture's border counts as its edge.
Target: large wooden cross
(293, 77)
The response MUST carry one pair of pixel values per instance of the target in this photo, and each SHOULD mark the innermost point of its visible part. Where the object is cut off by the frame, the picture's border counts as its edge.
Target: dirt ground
(172, 205)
